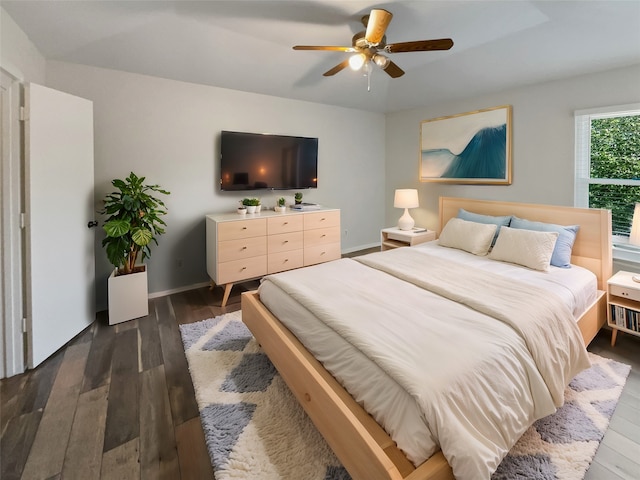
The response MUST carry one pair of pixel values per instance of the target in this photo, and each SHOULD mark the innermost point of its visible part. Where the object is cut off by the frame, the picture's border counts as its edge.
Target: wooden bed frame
(364, 448)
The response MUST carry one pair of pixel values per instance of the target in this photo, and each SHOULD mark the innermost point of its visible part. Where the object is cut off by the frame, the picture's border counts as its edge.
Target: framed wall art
(473, 147)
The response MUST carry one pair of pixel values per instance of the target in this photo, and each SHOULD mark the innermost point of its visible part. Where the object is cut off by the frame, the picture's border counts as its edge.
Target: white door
(60, 271)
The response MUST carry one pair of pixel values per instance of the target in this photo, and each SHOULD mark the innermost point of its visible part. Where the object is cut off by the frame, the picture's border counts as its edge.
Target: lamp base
(406, 222)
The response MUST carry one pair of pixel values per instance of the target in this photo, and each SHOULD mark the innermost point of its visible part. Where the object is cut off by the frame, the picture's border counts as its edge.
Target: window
(607, 173)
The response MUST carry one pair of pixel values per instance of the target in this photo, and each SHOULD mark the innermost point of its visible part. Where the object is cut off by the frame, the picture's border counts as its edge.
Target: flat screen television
(256, 161)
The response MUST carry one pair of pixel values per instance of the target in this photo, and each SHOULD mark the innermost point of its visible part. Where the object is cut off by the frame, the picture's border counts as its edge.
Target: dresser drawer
(322, 219)
(321, 236)
(242, 248)
(238, 270)
(625, 292)
(242, 229)
(279, 262)
(285, 224)
(321, 253)
(284, 242)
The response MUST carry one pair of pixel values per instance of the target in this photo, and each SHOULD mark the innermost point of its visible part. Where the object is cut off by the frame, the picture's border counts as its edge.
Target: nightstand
(623, 304)
(394, 237)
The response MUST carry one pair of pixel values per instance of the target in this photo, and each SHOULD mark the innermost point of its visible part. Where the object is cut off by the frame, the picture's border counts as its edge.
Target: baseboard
(178, 290)
(361, 247)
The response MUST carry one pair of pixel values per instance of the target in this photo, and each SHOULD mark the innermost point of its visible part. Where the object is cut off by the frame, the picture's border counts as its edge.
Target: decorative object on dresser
(133, 223)
(281, 206)
(394, 237)
(298, 198)
(623, 299)
(243, 249)
(406, 198)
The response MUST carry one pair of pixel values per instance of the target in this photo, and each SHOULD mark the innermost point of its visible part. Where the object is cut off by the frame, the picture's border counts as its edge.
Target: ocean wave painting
(467, 148)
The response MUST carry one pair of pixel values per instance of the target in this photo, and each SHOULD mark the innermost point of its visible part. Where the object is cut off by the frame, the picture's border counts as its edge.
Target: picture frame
(467, 148)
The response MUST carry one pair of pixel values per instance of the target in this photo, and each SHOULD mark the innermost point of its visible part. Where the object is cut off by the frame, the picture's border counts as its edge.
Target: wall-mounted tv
(255, 161)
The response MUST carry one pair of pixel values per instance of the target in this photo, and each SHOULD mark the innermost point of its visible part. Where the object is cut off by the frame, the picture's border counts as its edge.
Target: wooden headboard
(592, 248)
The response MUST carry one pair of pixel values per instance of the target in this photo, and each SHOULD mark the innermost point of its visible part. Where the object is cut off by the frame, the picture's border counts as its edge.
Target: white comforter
(479, 382)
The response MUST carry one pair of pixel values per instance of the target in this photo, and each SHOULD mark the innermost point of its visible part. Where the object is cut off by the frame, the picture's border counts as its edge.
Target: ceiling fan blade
(324, 47)
(393, 70)
(377, 25)
(337, 68)
(420, 46)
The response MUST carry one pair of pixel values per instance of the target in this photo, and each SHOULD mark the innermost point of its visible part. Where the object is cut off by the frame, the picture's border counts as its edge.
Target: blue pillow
(561, 256)
(476, 217)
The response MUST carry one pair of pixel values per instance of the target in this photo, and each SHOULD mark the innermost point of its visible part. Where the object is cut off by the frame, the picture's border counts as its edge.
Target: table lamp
(406, 198)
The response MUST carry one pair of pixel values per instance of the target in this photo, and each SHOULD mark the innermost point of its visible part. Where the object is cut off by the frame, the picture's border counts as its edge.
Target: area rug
(255, 429)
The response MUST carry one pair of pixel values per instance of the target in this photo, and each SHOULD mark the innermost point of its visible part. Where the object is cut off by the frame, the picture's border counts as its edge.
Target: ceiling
(246, 45)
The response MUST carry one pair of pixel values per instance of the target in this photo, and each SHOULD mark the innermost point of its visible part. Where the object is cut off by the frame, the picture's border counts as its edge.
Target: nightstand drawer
(626, 292)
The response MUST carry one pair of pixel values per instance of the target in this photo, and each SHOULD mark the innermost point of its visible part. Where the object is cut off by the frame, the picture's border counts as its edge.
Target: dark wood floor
(118, 402)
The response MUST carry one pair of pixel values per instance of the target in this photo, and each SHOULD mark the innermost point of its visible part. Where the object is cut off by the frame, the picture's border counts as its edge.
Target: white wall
(543, 141)
(169, 132)
(18, 56)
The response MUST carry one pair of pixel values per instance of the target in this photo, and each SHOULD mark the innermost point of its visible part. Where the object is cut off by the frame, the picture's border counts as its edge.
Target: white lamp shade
(406, 198)
(634, 237)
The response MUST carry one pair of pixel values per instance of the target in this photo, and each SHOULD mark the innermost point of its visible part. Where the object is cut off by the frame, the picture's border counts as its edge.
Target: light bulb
(381, 60)
(356, 61)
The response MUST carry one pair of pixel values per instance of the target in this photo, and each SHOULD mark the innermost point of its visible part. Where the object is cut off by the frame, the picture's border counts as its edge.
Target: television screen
(254, 161)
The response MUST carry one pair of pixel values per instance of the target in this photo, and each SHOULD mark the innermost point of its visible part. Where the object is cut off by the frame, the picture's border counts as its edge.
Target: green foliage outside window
(615, 154)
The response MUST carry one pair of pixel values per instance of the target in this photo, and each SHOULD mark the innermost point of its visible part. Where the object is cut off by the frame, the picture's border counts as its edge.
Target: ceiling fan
(368, 44)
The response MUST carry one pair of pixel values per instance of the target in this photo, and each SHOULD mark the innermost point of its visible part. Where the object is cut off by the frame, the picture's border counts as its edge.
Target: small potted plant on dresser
(134, 222)
(252, 204)
(282, 205)
(298, 198)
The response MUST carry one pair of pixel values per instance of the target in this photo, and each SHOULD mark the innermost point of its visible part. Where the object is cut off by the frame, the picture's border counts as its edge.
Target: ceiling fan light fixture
(381, 60)
(356, 61)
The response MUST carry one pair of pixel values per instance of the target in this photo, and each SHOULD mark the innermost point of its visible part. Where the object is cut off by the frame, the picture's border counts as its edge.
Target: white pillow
(525, 247)
(471, 237)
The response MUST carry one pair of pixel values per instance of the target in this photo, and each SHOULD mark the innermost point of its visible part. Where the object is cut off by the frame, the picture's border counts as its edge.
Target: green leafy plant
(251, 202)
(133, 223)
(282, 202)
(298, 197)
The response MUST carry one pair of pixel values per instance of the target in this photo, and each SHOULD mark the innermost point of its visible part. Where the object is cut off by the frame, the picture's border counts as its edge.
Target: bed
(363, 446)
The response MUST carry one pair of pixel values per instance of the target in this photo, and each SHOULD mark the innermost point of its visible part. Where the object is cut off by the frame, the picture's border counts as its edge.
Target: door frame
(12, 336)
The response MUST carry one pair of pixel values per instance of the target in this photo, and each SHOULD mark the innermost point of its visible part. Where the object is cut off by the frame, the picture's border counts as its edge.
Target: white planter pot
(128, 297)
(251, 209)
(280, 209)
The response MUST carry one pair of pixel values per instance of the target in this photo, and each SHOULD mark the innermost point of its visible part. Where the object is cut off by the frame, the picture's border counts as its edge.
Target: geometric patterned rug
(256, 430)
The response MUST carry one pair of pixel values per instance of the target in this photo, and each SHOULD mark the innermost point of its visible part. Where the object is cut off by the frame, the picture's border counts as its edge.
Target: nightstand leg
(614, 335)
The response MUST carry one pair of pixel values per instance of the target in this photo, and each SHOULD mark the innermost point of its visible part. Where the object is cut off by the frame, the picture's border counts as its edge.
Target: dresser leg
(227, 291)
(614, 335)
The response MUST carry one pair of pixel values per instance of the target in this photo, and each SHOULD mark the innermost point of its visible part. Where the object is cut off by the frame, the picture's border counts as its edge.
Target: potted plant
(251, 204)
(281, 207)
(242, 210)
(134, 221)
(298, 198)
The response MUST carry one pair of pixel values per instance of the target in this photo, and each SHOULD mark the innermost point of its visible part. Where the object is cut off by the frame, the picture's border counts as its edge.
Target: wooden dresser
(241, 248)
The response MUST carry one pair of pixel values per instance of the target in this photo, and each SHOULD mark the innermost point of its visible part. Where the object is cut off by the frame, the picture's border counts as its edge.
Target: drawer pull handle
(244, 248)
(286, 260)
(244, 228)
(243, 268)
(286, 223)
(286, 241)
(322, 236)
(322, 253)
